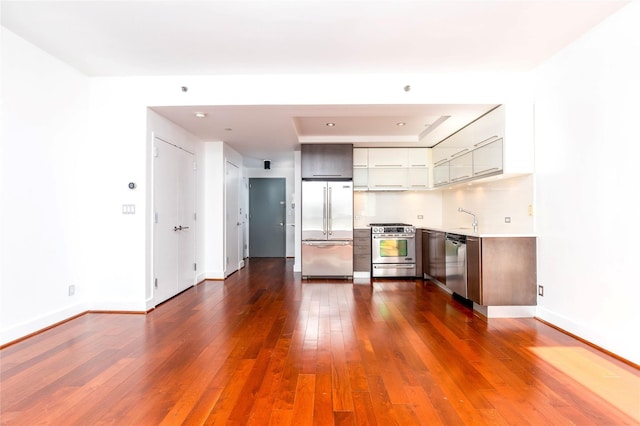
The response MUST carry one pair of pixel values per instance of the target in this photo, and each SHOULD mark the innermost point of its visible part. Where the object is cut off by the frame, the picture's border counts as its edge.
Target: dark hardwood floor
(264, 347)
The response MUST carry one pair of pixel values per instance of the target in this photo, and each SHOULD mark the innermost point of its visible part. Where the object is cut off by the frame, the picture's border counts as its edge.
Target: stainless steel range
(393, 250)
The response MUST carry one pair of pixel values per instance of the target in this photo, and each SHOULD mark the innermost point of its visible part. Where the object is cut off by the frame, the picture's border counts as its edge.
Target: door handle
(281, 223)
(324, 211)
(330, 214)
(180, 228)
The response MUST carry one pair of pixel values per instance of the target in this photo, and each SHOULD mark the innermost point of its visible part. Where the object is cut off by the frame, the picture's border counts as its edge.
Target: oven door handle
(393, 266)
(398, 237)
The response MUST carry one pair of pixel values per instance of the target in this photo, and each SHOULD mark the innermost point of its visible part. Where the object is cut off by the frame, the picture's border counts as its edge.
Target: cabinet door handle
(492, 169)
(460, 152)
(489, 139)
(460, 178)
(441, 162)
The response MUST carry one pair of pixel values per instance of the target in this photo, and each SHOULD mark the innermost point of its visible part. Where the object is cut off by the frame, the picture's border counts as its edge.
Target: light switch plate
(128, 209)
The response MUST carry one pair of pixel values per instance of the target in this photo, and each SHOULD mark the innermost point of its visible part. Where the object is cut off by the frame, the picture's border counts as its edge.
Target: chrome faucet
(475, 218)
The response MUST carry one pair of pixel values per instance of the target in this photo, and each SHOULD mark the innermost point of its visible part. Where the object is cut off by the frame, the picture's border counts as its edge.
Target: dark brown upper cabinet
(327, 161)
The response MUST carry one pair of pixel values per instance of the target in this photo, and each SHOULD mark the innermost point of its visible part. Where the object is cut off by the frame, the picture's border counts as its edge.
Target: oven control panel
(393, 229)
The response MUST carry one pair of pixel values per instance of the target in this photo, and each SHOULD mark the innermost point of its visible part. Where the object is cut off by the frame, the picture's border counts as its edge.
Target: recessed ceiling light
(330, 124)
(200, 114)
(401, 123)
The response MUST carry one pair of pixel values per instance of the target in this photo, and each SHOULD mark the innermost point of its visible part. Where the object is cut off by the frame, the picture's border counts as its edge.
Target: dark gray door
(267, 234)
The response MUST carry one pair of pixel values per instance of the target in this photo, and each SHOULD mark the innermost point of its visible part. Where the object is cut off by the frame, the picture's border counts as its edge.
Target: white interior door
(174, 221)
(186, 233)
(233, 219)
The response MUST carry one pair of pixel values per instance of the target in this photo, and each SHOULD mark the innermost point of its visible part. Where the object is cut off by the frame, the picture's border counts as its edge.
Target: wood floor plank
(323, 407)
(265, 347)
(363, 409)
(303, 406)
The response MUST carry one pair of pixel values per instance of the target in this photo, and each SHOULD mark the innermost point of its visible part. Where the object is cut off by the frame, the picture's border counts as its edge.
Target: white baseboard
(506, 311)
(614, 341)
(120, 306)
(359, 274)
(213, 275)
(26, 328)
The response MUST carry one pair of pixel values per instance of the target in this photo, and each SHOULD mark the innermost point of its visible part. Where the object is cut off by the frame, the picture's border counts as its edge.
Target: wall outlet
(420, 216)
(541, 290)
(530, 210)
(72, 290)
(507, 219)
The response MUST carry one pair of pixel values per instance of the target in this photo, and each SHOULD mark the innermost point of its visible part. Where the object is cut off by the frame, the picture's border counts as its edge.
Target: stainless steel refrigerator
(327, 228)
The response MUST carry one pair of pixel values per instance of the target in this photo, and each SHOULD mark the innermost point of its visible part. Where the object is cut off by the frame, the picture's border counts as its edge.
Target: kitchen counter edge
(471, 233)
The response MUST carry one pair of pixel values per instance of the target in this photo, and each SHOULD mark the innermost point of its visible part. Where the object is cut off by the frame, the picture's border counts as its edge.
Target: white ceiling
(124, 38)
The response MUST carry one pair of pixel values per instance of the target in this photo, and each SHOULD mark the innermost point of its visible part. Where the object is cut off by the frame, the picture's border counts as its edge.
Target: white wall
(214, 210)
(44, 228)
(587, 150)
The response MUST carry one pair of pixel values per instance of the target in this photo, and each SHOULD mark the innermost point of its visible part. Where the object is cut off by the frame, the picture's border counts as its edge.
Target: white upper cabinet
(388, 157)
(487, 159)
(418, 157)
(388, 178)
(461, 167)
(360, 158)
(499, 142)
(391, 169)
(439, 154)
(488, 128)
(418, 178)
(360, 169)
(441, 174)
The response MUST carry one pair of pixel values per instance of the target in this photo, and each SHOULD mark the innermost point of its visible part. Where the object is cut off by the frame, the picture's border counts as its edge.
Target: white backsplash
(397, 206)
(490, 201)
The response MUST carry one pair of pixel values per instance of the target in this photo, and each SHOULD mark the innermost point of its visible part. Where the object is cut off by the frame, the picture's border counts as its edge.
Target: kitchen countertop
(470, 233)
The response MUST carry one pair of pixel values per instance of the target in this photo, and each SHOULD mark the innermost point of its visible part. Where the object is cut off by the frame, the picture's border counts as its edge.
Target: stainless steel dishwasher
(456, 263)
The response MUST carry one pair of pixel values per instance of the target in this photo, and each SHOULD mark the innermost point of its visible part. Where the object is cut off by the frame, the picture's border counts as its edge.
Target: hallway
(264, 347)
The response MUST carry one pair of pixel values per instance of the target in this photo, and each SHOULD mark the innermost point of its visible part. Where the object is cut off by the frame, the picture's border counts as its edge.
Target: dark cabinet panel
(502, 271)
(362, 250)
(327, 161)
(425, 252)
(474, 270)
(435, 256)
(419, 249)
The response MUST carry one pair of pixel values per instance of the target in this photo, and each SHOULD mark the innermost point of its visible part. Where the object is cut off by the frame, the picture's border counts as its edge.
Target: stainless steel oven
(393, 250)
